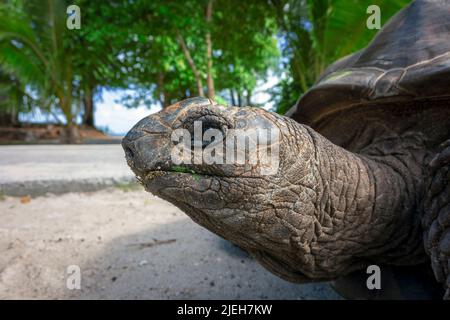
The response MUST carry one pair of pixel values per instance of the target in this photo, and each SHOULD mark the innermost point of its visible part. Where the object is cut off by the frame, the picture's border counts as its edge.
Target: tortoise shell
(408, 60)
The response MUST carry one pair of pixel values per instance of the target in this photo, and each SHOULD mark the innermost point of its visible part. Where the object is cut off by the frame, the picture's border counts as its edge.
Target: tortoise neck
(368, 204)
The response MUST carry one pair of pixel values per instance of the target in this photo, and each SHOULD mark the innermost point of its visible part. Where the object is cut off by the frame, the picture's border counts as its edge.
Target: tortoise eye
(209, 126)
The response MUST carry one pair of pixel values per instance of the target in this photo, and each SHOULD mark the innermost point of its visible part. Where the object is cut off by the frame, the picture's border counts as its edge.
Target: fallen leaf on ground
(152, 244)
(25, 199)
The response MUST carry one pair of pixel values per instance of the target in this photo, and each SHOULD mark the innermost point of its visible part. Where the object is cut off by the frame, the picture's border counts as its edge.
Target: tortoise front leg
(436, 220)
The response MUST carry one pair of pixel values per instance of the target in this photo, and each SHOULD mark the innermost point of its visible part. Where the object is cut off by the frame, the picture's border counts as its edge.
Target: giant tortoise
(363, 167)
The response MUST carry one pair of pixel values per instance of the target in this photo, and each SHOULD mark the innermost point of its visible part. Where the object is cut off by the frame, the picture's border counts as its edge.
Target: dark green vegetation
(165, 51)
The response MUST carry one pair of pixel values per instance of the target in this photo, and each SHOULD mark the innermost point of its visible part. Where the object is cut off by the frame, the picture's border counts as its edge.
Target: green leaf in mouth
(182, 169)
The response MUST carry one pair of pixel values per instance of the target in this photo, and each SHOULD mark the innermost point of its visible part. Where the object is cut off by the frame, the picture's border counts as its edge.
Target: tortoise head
(306, 209)
(230, 169)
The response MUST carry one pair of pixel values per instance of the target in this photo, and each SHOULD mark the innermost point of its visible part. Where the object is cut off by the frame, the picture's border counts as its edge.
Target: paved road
(39, 169)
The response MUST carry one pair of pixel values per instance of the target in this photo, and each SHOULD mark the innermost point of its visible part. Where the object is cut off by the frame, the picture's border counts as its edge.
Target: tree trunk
(249, 97)
(233, 101)
(8, 115)
(191, 62)
(8, 118)
(209, 79)
(88, 102)
(70, 134)
(239, 99)
(162, 93)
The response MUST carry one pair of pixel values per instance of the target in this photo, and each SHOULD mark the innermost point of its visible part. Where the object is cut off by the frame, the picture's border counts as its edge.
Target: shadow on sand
(181, 260)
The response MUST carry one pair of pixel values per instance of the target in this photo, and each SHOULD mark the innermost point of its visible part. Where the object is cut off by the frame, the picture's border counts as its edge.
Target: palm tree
(31, 43)
(316, 33)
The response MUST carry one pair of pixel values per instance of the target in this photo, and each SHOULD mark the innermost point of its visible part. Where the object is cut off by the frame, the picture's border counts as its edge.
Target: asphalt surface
(40, 169)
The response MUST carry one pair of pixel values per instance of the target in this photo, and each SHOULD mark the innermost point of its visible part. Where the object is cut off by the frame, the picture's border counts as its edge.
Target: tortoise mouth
(150, 175)
(154, 180)
(153, 174)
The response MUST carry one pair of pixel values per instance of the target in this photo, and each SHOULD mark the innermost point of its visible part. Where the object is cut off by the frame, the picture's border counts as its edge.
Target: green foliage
(31, 42)
(316, 33)
(345, 30)
(249, 49)
(138, 45)
(244, 48)
(13, 99)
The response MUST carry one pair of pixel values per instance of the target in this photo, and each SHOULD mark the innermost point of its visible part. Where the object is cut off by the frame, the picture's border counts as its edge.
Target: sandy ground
(128, 245)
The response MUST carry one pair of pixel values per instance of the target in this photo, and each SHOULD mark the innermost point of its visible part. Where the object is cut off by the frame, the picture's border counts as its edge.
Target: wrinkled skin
(325, 213)
(437, 216)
